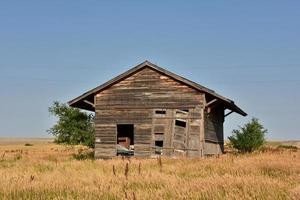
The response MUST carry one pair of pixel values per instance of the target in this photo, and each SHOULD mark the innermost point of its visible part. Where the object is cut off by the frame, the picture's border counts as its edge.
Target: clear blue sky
(56, 50)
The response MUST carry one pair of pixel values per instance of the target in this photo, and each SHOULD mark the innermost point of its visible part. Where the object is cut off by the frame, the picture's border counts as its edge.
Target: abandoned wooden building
(153, 111)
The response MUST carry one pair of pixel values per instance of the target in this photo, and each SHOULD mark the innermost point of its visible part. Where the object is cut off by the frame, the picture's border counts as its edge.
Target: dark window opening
(125, 135)
(161, 112)
(180, 123)
(159, 143)
(159, 133)
(159, 147)
(185, 110)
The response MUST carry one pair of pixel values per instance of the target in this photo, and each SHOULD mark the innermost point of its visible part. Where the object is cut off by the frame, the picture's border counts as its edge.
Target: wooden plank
(159, 128)
(202, 128)
(211, 102)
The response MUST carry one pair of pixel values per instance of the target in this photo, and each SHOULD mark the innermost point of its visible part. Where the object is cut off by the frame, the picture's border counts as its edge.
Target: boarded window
(180, 123)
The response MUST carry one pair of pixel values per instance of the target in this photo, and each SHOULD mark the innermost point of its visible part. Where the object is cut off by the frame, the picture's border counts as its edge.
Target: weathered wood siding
(106, 130)
(214, 139)
(211, 148)
(148, 89)
(134, 101)
(194, 131)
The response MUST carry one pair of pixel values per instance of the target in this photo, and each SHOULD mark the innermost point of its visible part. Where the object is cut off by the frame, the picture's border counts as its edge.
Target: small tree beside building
(249, 137)
(73, 126)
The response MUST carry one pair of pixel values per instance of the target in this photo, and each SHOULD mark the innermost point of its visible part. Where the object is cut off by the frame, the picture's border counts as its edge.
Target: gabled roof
(89, 96)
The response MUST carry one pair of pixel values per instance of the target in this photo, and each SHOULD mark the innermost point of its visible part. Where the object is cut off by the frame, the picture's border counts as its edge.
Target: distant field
(43, 170)
(20, 141)
(295, 143)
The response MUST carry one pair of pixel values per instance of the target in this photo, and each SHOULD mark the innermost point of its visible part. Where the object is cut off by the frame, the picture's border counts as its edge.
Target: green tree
(249, 137)
(73, 126)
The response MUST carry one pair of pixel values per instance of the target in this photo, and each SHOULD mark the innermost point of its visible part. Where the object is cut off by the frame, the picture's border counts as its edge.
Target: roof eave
(236, 109)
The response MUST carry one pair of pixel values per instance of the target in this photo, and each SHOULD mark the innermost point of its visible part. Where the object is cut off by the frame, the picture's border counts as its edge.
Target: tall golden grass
(49, 171)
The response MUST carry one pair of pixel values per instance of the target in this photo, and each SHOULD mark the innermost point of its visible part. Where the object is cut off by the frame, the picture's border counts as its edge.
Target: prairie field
(39, 169)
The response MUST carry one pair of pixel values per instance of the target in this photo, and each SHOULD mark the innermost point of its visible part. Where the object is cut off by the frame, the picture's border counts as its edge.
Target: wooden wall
(214, 138)
(212, 148)
(106, 130)
(134, 101)
(148, 89)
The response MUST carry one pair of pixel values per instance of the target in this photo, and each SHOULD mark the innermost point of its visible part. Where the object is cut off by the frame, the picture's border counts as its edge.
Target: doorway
(125, 135)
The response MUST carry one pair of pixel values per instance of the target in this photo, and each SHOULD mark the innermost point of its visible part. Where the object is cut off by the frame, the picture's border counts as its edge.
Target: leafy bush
(73, 126)
(248, 138)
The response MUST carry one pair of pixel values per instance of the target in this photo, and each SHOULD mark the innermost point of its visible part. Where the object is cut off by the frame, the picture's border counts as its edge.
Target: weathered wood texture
(211, 148)
(106, 130)
(105, 145)
(134, 100)
(194, 132)
(213, 132)
(148, 89)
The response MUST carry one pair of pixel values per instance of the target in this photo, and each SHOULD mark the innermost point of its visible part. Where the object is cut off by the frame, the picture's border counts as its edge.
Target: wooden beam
(211, 102)
(90, 103)
(202, 129)
(228, 113)
(210, 105)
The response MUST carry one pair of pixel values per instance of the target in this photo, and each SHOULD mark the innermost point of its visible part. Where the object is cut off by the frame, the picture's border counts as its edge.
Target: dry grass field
(43, 170)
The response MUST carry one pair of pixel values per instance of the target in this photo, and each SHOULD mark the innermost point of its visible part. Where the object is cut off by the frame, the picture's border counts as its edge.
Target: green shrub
(248, 138)
(73, 126)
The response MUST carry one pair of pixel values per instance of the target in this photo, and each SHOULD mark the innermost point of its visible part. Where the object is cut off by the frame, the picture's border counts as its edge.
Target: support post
(209, 105)
(228, 114)
(202, 128)
(88, 102)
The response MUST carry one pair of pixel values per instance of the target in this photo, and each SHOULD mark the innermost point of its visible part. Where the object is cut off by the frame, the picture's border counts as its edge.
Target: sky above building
(248, 51)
